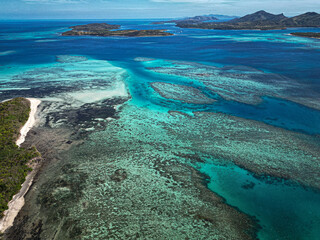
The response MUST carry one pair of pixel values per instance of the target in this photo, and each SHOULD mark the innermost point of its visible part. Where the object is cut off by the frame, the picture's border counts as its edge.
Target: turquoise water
(273, 111)
(284, 210)
(263, 115)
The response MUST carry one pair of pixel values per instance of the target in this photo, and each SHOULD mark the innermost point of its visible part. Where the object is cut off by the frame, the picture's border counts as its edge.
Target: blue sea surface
(285, 211)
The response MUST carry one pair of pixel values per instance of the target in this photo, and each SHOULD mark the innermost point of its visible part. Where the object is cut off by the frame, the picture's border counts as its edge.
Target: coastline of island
(260, 20)
(315, 35)
(33, 163)
(108, 30)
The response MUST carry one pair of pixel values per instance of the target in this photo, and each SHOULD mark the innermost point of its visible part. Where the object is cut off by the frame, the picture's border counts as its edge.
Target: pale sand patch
(17, 201)
(31, 121)
(90, 96)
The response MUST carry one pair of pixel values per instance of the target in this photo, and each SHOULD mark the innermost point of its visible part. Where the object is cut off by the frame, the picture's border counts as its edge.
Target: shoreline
(17, 202)
(34, 103)
(293, 35)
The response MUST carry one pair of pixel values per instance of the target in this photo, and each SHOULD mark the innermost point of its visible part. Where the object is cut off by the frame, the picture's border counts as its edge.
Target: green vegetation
(13, 169)
(95, 27)
(103, 30)
(307, 34)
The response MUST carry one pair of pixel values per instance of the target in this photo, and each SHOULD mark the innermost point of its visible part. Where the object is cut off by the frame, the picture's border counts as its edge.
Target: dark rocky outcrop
(119, 175)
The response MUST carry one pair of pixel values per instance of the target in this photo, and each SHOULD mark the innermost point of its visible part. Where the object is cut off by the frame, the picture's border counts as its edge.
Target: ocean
(207, 134)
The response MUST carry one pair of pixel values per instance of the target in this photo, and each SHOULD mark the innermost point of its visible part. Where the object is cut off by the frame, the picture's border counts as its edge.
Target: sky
(139, 9)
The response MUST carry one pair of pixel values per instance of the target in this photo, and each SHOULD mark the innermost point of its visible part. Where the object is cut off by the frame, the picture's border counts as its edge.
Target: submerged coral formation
(182, 93)
(130, 185)
(239, 83)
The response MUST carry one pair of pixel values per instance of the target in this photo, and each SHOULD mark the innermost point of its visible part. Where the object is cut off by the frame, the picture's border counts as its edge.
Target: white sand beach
(16, 204)
(31, 121)
(17, 201)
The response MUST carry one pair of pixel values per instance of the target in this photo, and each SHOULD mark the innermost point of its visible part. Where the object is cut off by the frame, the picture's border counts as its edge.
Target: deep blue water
(24, 44)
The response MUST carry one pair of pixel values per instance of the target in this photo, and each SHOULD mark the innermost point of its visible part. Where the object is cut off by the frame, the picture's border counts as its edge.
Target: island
(191, 20)
(307, 34)
(14, 160)
(260, 20)
(108, 30)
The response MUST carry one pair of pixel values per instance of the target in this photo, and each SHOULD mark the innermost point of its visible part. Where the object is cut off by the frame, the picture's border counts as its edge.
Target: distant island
(190, 20)
(307, 34)
(260, 20)
(105, 30)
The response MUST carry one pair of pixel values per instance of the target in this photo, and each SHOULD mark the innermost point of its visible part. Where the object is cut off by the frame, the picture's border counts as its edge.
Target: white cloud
(197, 1)
(53, 1)
(185, 1)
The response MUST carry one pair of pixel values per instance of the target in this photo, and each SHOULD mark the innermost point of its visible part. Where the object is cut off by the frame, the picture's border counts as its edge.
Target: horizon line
(17, 19)
(147, 18)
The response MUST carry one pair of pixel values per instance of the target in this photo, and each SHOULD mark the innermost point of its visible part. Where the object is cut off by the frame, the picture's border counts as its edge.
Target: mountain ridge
(260, 20)
(259, 16)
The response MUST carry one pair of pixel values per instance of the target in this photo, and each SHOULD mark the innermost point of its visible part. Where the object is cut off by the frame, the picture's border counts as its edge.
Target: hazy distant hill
(190, 20)
(220, 17)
